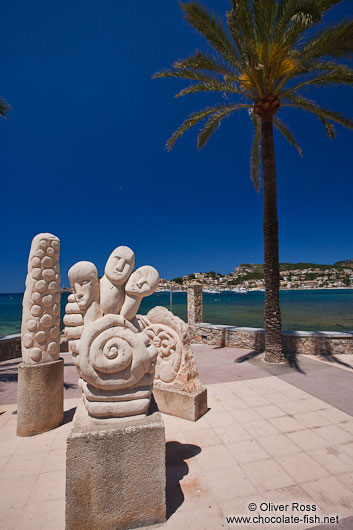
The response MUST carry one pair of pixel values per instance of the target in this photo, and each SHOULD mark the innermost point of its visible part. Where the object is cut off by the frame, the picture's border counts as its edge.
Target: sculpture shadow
(176, 469)
(69, 415)
(69, 385)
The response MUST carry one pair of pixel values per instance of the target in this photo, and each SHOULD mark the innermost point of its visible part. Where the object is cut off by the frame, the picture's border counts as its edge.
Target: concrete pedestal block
(115, 473)
(189, 406)
(40, 405)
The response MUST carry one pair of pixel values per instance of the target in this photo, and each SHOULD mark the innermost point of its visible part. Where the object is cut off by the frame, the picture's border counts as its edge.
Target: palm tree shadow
(247, 356)
(323, 350)
(292, 360)
(176, 469)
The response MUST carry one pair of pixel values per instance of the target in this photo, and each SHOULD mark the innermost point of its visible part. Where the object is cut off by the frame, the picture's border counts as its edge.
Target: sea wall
(305, 342)
(10, 346)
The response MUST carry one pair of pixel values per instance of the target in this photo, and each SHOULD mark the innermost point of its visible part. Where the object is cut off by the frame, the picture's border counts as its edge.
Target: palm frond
(204, 61)
(183, 73)
(334, 41)
(320, 112)
(211, 28)
(342, 76)
(195, 117)
(329, 127)
(214, 86)
(4, 108)
(211, 125)
(294, 17)
(255, 156)
(289, 136)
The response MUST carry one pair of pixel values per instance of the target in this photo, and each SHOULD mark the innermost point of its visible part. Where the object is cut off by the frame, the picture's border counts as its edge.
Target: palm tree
(4, 108)
(267, 54)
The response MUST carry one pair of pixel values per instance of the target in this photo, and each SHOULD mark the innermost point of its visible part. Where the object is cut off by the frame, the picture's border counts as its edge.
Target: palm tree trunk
(272, 317)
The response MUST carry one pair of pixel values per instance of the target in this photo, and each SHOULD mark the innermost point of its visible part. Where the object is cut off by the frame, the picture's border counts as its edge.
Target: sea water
(310, 309)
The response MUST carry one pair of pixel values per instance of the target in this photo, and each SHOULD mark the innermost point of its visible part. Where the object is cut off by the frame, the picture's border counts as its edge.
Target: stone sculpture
(118, 268)
(41, 375)
(114, 357)
(41, 302)
(120, 442)
(177, 386)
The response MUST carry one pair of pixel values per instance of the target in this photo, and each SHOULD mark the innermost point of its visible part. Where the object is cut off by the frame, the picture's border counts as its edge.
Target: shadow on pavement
(176, 469)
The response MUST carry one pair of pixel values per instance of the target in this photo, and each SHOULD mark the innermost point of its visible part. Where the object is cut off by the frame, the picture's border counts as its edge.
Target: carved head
(120, 264)
(84, 283)
(143, 282)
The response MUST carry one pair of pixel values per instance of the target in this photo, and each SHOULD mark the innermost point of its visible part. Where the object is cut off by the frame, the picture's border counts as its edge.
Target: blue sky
(82, 154)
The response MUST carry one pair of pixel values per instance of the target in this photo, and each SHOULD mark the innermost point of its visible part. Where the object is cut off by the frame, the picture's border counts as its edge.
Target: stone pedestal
(115, 473)
(195, 303)
(40, 404)
(187, 405)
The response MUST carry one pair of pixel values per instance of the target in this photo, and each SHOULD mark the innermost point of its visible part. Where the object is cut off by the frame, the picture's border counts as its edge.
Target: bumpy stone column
(194, 294)
(41, 375)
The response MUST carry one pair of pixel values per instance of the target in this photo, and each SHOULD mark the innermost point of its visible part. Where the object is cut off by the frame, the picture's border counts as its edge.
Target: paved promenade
(273, 434)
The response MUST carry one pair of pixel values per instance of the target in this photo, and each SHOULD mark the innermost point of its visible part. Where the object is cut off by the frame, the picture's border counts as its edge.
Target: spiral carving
(114, 355)
(169, 347)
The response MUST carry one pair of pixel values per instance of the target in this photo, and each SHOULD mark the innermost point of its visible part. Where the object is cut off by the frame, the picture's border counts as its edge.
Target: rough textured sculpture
(41, 302)
(177, 386)
(175, 362)
(41, 375)
(114, 358)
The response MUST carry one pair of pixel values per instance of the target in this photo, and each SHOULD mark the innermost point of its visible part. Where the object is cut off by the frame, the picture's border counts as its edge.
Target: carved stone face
(143, 281)
(84, 283)
(120, 265)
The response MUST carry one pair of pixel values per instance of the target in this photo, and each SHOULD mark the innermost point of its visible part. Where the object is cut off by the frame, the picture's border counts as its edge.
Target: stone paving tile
(10, 517)
(311, 419)
(220, 419)
(210, 517)
(215, 457)
(307, 440)
(247, 451)
(232, 433)
(292, 407)
(269, 411)
(260, 428)
(334, 434)
(279, 445)
(267, 475)
(331, 496)
(43, 516)
(286, 424)
(255, 401)
(302, 467)
(227, 484)
(333, 459)
(49, 486)
(22, 466)
(245, 415)
(15, 491)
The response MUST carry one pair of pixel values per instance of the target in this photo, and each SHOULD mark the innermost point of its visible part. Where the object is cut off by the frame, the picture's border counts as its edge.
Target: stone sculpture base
(189, 406)
(40, 404)
(115, 474)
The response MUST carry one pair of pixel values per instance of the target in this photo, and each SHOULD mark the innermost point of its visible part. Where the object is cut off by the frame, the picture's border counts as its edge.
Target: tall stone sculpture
(40, 384)
(177, 387)
(121, 439)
